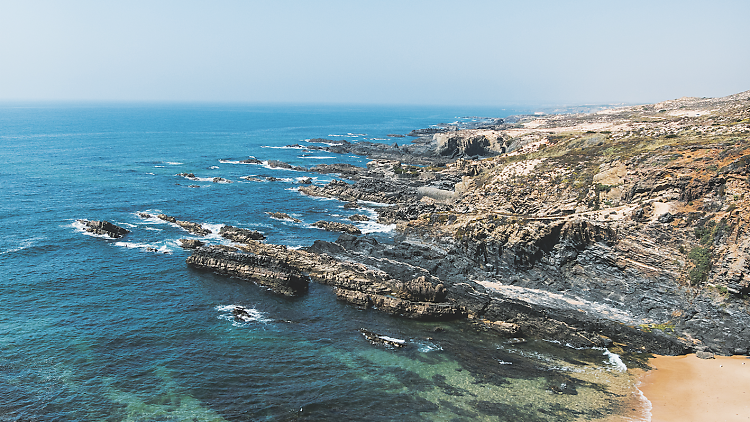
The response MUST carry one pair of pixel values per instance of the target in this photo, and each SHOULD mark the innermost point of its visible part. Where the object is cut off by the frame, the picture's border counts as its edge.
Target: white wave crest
(615, 361)
(145, 246)
(81, 228)
(285, 147)
(374, 227)
(244, 317)
(174, 163)
(312, 157)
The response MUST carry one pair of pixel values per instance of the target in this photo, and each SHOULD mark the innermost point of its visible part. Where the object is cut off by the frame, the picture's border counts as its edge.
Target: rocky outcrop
(333, 226)
(283, 216)
(104, 228)
(381, 339)
(359, 217)
(455, 145)
(401, 307)
(266, 271)
(421, 289)
(191, 227)
(236, 234)
(191, 243)
(372, 190)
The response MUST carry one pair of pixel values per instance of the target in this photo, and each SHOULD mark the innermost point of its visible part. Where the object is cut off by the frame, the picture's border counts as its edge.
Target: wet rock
(333, 226)
(264, 270)
(191, 243)
(191, 227)
(506, 329)
(104, 228)
(251, 160)
(359, 217)
(240, 235)
(381, 339)
(283, 216)
(279, 164)
(401, 307)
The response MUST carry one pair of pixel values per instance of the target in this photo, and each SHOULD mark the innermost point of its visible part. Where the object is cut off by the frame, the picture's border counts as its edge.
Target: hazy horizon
(480, 53)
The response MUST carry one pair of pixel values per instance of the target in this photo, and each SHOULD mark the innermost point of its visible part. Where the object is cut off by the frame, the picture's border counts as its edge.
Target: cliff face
(626, 227)
(639, 214)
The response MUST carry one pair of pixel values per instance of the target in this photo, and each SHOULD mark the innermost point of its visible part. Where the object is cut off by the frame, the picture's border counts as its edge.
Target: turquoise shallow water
(99, 329)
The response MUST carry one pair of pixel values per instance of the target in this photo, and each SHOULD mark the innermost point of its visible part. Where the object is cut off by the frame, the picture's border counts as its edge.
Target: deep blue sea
(96, 329)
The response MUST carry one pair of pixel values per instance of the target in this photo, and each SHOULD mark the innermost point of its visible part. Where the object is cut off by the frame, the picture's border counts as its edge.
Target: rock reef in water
(626, 227)
(239, 235)
(264, 270)
(191, 227)
(333, 226)
(283, 216)
(104, 228)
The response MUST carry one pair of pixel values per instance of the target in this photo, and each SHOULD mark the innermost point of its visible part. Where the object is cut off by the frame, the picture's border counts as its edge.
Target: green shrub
(701, 258)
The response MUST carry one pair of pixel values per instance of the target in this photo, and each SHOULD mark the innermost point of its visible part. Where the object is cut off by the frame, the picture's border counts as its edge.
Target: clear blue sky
(388, 52)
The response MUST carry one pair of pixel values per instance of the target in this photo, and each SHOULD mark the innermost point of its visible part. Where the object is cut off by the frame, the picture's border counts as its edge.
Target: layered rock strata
(264, 270)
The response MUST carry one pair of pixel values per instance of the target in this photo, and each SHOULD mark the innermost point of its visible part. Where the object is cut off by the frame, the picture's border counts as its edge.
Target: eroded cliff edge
(626, 227)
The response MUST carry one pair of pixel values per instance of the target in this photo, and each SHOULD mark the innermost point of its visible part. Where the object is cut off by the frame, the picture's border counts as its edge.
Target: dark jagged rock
(251, 160)
(461, 146)
(264, 270)
(191, 243)
(359, 217)
(380, 339)
(283, 216)
(402, 307)
(191, 227)
(104, 228)
(333, 226)
(239, 235)
(279, 164)
(427, 131)
(371, 190)
(421, 289)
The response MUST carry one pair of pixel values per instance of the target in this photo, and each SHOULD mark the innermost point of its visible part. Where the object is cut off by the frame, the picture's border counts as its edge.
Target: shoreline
(686, 388)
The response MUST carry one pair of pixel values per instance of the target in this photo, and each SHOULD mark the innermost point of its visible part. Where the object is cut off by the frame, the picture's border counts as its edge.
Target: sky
(488, 53)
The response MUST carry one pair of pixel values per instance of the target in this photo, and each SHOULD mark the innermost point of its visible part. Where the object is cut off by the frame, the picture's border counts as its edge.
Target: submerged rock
(104, 228)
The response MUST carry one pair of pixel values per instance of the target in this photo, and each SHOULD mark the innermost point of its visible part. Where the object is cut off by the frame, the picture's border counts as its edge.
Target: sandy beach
(685, 388)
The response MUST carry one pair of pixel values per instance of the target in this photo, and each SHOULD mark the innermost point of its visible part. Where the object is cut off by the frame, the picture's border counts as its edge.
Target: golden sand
(685, 389)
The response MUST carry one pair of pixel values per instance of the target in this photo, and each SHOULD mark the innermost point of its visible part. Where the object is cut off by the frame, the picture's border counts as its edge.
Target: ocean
(98, 329)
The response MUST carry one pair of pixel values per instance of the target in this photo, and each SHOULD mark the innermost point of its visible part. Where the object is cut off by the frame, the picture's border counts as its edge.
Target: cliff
(623, 228)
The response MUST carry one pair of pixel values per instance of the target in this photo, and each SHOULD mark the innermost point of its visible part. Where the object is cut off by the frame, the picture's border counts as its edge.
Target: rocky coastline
(625, 228)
